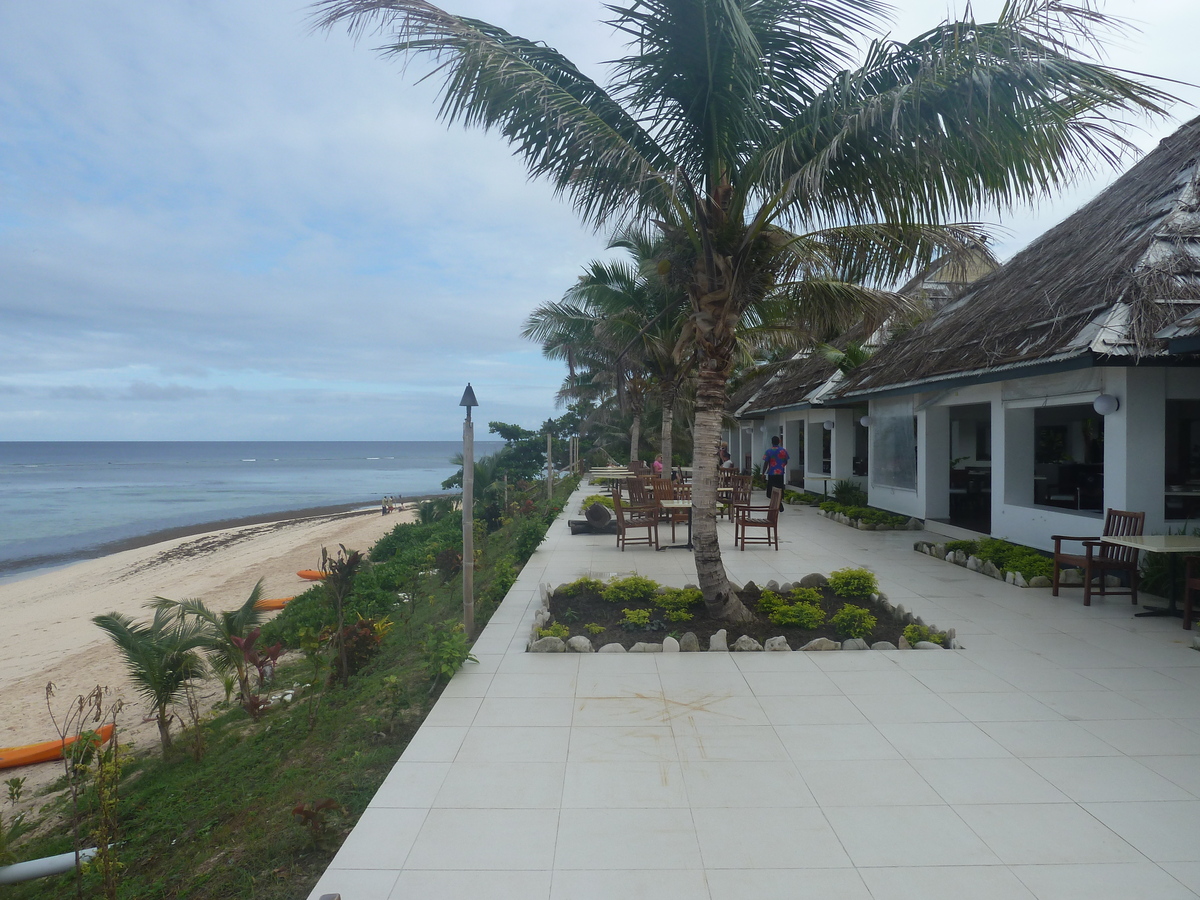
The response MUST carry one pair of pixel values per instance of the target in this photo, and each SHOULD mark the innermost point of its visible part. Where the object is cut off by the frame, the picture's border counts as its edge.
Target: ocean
(70, 500)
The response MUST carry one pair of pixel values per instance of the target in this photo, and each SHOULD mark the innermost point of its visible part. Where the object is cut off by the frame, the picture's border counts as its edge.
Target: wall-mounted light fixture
(866, 421)
(829, 424)
(1106, 404)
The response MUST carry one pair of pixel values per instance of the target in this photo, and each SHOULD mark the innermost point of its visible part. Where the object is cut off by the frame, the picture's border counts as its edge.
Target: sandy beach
(46, 629)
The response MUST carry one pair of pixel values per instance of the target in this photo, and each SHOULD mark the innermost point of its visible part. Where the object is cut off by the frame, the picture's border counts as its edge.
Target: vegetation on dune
(253, 798)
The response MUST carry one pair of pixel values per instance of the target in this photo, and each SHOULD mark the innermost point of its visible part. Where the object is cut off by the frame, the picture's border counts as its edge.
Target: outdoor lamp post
(468, 514)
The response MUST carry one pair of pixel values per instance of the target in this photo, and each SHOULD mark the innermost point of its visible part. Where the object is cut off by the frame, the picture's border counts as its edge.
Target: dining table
(679, 504)
(1171, 544)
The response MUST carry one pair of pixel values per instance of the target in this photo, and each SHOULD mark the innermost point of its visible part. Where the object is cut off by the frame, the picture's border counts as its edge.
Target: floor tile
(362, 884)
(1165, 831)
(908, 836)
(501, 785)
(756, 884)
(623, 784)
(960, 781)
(434, 744)
(945, 883)
(733, 742)
(1154, 737)
(628, 884)
(1107, 778)
(524, 711)
(941, 740)
(884, 782)
(755, 838)
(467, 885)
(725, 783)
(411, 784)
(464, 839)
(811, 710)
(1046, 834)
(1047, 739)
(382, 839)
(515, 743)
(627, 839)
(906, 708)
(1115, 881)
(805, 742)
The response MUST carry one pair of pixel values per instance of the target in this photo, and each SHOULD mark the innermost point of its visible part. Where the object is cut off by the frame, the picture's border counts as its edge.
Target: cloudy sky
(215, 224)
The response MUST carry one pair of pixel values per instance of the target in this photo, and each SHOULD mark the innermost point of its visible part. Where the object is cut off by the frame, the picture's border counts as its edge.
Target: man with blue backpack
(775, 462)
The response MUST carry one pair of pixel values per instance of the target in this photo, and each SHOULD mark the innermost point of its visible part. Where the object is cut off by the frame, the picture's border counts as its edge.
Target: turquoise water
(66, 500)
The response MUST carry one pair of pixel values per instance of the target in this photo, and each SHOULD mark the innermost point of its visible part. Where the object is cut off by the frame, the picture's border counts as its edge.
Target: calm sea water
(63, 500)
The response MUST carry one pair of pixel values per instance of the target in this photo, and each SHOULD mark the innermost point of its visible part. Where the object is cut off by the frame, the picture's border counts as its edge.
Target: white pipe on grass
(40, 868)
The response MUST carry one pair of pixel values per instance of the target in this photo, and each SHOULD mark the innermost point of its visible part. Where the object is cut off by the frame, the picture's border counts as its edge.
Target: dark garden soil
(589, 608)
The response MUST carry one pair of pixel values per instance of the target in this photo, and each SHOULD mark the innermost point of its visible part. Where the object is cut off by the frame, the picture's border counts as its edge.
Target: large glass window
(1183, 459)
(894, 443)
(1068, 457)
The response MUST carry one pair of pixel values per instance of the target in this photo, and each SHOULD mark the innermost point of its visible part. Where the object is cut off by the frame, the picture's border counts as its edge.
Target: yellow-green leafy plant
(677, 603)
(858, 583)
(853, 621)
(914, 633)
(799, 615)
(593, 628)
(582, 585)
(635, 619)
(632, 589)
(558, 630)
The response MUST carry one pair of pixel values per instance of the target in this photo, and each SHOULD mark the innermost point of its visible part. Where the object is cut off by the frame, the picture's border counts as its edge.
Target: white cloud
(217, 224)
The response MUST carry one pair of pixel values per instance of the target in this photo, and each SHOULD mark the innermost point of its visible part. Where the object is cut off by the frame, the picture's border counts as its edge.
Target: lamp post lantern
(468, 514)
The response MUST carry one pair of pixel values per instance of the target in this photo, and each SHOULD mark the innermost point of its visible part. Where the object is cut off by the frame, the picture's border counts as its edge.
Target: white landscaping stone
(929, 645)
(580, 644)
(974, 564)
(548, 645)
(1040, 581)
(1071, 576)
(689, 643)
(670, 645)
(855, 644)
(778, 643)
(646, 647)
(883, 645)
(746, 643)
(822, 643)
(904, 644)
(991, 570)
(814, 580)
(718, 641)
(544, 593)
(614, 647)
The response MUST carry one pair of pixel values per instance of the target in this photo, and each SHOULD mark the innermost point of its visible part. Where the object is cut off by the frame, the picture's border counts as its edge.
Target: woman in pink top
(657, 465)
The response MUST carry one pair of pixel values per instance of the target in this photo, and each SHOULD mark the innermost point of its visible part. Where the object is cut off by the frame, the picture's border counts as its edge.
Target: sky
(216, 224)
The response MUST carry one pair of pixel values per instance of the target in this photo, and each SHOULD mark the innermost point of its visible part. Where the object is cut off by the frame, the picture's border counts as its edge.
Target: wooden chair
(745, 519)
(668, 490)
(639, 494)
(737, 494)
(1191, 582)
(633, 518)
(1100, 558)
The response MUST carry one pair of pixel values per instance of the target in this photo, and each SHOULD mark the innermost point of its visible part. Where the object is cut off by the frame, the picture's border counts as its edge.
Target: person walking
(775, 462)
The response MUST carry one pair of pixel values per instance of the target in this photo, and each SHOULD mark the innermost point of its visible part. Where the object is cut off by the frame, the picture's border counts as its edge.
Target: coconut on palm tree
(162, 656)
(787, 165)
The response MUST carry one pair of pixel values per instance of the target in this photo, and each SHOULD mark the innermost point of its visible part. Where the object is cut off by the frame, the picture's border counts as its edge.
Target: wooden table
(824, 479)
(1171, 544)
(679, 504)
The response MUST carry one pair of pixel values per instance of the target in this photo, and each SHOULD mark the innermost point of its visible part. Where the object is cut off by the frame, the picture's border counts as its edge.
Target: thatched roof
(808, 377)
(1104, 284)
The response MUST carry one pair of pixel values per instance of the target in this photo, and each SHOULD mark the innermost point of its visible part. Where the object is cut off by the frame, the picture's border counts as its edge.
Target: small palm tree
(218, 629)
(163, 657)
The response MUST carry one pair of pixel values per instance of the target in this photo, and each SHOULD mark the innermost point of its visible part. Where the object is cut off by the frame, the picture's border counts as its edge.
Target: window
(894, 443)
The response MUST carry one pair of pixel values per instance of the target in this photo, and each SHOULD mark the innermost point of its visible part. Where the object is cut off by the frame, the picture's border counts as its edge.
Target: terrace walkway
(1057, 756)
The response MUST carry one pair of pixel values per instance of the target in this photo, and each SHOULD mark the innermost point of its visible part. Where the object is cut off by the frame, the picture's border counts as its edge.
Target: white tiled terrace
(1056, 757)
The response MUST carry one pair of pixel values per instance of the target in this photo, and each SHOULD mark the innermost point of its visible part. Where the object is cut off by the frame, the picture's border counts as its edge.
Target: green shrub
(635, 619)
(590, 501)
(853, 621)
(633, 589)
(584, 585)
(504, 576)
(593, 628)
(800, 615)
(558, 630)
(678, 615)
(808, 595)
(769, 601)
(915, 632)
(530, 533)
(849, 493)
(853, 583)
(678, 600)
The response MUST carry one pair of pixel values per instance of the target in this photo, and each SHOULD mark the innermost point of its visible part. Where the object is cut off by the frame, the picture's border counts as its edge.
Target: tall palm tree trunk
(668, 425)
(710, 570)
(635, 436)
(164, 729)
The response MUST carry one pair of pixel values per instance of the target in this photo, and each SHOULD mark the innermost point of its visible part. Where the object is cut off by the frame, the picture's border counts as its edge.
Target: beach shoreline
(13, 570)
(49, 636)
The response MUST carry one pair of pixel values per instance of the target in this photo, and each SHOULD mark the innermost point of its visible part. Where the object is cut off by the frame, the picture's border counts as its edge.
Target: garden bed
(635, 610)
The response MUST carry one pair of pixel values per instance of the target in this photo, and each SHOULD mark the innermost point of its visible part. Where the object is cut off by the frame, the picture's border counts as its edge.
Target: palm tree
(163, 657)
(618, 329)
(751, 135)
(218, 629)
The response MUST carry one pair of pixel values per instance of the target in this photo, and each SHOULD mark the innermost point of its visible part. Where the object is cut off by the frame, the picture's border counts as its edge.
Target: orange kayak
(311, 574)
(272, 603)
(46, 751)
